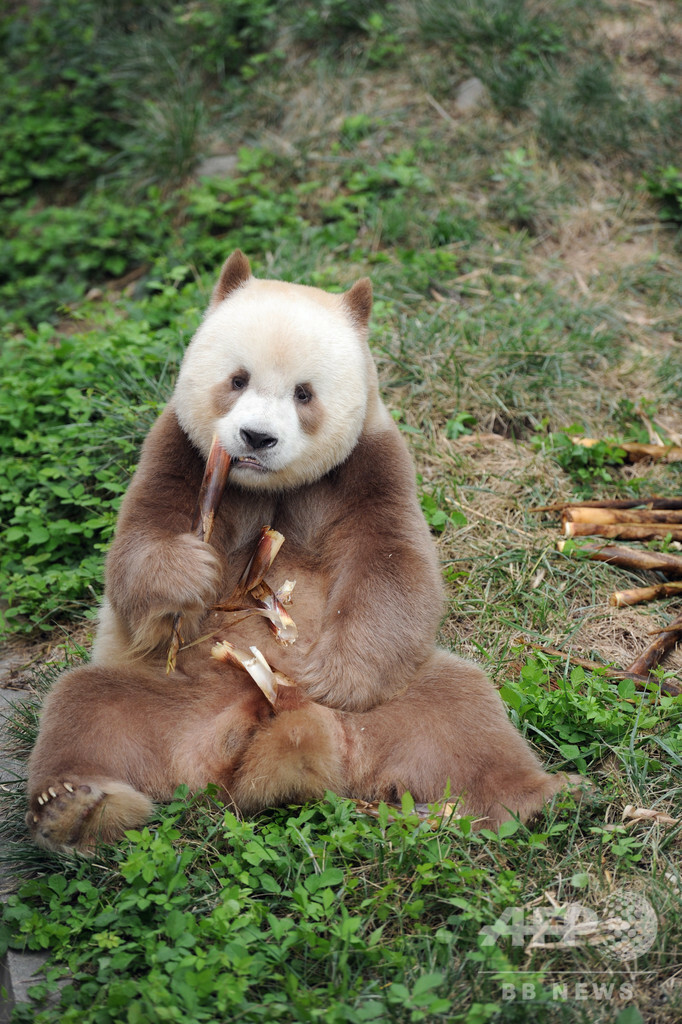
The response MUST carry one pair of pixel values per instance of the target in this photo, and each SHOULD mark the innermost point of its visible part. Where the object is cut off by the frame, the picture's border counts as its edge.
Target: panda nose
(257, 440)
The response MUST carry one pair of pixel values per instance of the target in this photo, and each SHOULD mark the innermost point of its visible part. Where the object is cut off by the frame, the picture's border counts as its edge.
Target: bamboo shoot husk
(252, 661)
(623, 531)
(252, 587)
(638, 595)
(233, 616)
(269, 543)
(629, 559)
(281, 623)
(210, 495)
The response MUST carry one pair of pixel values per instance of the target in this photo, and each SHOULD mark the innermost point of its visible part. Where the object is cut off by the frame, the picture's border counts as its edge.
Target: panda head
(282, 374)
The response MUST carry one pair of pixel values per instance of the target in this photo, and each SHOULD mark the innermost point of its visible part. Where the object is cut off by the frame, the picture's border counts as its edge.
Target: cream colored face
(280, 373)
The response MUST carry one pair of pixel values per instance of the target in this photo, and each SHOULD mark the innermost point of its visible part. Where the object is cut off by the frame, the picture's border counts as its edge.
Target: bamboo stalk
(656, 452)
(587, 514)
(629, 559)
(623, 531)
(643, 503)
(210, 494)
(574, 659)
(649, 659)
(637, 595)
(637, 452)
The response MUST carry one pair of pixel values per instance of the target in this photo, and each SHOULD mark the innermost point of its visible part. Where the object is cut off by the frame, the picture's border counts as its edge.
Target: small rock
(217, 167)
(470, 94)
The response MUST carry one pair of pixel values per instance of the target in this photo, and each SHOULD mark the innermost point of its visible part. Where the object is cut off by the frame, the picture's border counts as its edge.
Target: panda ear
(236, 270)
(358, 303)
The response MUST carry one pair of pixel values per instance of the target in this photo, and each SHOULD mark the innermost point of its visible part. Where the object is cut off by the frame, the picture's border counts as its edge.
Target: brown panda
(283, 375)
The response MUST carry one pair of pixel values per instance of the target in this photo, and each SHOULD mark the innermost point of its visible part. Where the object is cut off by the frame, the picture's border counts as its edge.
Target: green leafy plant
(587, 464)
(586, 715)
(64, 250)
(331, 23)
(437, 517)
(665, 185)
(459, 425)
(73, 415)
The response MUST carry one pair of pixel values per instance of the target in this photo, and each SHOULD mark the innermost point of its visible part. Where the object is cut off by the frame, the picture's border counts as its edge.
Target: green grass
(526, 266)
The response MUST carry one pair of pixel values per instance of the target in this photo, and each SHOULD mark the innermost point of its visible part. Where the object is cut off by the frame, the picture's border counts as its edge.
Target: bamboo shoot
(637, 452)
(587, 514)
(649, 659)
(210, 494)
(623, 531)
(637, 595)
(641, 503)
(628, 559)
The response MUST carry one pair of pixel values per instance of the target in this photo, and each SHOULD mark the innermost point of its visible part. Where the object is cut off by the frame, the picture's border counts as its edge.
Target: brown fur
(378, 710)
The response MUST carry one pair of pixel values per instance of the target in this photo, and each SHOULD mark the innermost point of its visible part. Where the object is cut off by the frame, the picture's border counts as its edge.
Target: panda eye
(240, 381)
(303, 393)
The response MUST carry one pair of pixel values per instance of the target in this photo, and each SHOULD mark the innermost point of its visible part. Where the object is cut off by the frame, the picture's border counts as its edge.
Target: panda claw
(68, 787)
(52, 792)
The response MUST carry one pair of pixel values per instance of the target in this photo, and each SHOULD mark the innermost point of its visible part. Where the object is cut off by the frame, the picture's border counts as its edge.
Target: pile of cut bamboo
(650, 519)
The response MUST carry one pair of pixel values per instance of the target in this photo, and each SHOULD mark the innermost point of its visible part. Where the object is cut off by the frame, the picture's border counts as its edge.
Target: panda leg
(448, 736)
(297, 755)
(113, 740)
(87, 780)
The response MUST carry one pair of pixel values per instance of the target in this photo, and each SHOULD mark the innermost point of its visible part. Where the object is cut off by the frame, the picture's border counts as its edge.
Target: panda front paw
(181, 577)
(189, 576)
